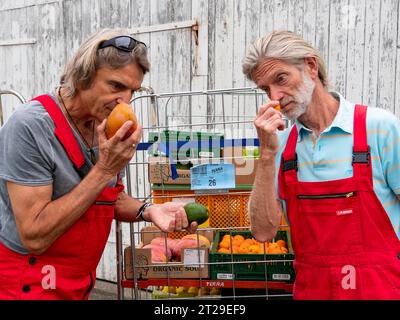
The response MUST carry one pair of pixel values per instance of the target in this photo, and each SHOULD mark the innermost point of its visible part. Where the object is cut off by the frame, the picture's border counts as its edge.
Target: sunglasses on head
(123, 43)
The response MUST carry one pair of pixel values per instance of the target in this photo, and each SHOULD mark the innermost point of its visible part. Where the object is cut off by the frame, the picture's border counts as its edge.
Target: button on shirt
(329, 156)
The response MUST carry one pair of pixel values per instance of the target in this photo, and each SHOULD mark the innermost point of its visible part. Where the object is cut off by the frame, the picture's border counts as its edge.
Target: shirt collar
(343, 120)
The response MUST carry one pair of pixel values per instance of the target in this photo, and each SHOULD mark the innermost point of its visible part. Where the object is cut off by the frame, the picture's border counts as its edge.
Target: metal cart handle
(9, 92)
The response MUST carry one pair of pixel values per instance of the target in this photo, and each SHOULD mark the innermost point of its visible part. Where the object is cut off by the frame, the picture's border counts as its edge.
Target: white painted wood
(281, 14)
(200, 63)
(387, 56)
(397, 96)
(371, 54)
(164, 27)
(17, 42)
(309, 25)
(338, 45)
(355, 52)
(19, 4)
(323, 24)
(295, 16)
(253, 21)
(200, 49)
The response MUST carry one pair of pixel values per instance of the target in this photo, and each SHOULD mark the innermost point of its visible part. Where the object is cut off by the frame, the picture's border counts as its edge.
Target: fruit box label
(212, 176)
(281, 276)
(225, 276)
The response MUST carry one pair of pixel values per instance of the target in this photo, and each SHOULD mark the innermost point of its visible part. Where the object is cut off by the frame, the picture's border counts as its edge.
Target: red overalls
(67, 270)
(344, 243)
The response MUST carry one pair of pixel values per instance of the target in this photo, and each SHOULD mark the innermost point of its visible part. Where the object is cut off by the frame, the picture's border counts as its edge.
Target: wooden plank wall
(359, 39)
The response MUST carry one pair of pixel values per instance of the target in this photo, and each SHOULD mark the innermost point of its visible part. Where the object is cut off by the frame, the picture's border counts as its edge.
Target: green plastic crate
(259, 266)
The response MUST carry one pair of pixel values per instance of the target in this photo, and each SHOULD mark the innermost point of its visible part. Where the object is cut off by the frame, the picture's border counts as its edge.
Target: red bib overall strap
(362, 165)
(64, 134)
(289, 167)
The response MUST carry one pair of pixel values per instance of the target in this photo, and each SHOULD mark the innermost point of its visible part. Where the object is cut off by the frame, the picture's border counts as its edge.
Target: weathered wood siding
(359, 39)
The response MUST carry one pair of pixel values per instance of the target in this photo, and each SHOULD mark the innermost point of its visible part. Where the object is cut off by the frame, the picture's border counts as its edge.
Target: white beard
(302, 98)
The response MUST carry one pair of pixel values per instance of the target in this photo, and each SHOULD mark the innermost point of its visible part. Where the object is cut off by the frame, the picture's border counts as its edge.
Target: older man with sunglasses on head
(60, 177)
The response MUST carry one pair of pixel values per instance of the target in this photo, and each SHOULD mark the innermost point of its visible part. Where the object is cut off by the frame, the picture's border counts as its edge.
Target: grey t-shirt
(31, 155)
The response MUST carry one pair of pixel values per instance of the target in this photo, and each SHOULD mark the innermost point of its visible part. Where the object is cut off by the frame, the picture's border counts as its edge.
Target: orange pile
(239, 244)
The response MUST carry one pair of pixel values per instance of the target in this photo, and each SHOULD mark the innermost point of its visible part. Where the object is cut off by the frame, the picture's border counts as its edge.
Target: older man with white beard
(334, 175)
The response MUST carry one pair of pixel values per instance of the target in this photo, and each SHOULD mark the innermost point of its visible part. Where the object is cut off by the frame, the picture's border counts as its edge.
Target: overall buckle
(362, 157)
(288, 165)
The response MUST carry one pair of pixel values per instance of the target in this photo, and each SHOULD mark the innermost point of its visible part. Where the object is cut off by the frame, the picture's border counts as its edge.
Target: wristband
(140, 213)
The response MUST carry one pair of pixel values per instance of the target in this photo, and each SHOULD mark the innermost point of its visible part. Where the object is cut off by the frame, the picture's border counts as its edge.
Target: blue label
(212, 176)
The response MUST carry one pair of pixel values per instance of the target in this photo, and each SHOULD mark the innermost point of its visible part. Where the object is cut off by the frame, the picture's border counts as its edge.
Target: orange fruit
(238, 237)
(284, 250)
(249, 241)
(281, 243)
(254, 248)
(235, 249)
(261, 246)
(225, 244)
(274, 251)
(223, 250)
(273, 245)
(121, 113)
(244, 247)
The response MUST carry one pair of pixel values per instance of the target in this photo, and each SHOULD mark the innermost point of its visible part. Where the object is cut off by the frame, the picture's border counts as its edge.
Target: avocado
(196, 212)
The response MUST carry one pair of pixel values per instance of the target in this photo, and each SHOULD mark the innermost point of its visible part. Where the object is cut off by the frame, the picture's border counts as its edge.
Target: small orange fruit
(244, 247)
(121, 113)
(274, 250)
(238, 237)
(281, 243)
(225, 244)
(273, 245)
(262, 248)
(223, 250)
(254, 248)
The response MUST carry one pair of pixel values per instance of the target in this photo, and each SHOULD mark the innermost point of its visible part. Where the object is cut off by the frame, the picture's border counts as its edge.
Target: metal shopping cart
(12, 93)
(174, 125)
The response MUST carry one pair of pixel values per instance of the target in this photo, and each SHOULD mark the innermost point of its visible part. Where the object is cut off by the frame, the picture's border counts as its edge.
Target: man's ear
(311, 66)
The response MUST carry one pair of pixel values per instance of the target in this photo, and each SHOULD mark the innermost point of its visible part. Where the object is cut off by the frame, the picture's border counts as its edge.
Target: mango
(121, 113)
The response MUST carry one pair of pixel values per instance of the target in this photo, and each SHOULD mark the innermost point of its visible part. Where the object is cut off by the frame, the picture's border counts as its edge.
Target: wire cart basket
(183, 133)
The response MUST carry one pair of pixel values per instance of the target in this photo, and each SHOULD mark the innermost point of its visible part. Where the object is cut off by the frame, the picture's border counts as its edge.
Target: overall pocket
(330, 224)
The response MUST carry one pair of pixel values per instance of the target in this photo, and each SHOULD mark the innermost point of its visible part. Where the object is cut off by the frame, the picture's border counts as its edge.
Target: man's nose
(275, 93)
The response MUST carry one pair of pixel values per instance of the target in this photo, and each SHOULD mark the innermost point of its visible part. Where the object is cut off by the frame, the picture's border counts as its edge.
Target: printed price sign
(212, 176)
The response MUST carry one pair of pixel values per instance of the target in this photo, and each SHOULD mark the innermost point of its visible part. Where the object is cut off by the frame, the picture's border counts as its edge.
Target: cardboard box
(194, 261)
(160, 172)
(245, 167)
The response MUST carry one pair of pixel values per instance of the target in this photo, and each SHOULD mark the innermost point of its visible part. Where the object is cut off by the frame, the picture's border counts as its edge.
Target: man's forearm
(59, 215)
(264, 210)
(126, 208)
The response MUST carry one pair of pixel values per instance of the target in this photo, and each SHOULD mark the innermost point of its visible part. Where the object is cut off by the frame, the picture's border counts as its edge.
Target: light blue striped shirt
(329, 157)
